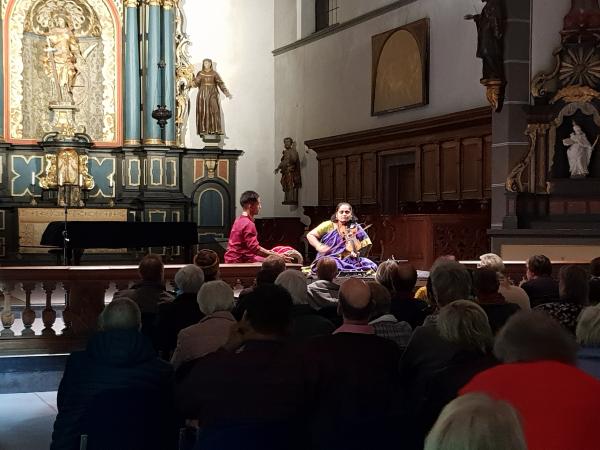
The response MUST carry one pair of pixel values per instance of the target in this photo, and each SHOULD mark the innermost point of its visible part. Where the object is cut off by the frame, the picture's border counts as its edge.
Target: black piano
(103, 234)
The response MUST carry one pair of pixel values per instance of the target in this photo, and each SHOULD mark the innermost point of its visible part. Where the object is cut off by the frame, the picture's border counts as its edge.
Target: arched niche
(211, 208)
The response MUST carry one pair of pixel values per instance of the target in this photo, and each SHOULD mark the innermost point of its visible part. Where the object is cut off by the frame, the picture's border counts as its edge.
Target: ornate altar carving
(65, 53)
(184, 75)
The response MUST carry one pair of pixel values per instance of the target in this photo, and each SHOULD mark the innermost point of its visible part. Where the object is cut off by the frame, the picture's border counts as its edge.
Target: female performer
(341, 238)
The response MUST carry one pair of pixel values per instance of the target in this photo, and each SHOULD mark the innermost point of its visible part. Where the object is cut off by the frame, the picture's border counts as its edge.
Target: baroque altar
(85, 82)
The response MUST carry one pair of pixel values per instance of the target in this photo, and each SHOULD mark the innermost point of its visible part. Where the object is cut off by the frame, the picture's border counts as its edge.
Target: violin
(348, 232)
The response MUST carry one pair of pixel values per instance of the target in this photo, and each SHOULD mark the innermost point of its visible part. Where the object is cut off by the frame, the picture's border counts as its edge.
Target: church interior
(448, 130)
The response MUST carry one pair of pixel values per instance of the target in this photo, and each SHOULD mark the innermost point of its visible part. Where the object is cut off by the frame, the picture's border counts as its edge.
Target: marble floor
(26, 420)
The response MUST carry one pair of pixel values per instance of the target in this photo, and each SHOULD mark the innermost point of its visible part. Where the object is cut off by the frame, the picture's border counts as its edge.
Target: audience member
(215, 301)
(477, 422)
(182, 312)
(306, 322)
(250, 394)
(540, 286)
(497, 309)
(427, 351)
(588, 338)
(324, 292)
(148, 293)
(384, 323)
(557, 401)
(353, 377)
(464, 324)
(208, 261)
(510, 292)
(117, 358)
(573, 290)
(595, 281)
(404, 306)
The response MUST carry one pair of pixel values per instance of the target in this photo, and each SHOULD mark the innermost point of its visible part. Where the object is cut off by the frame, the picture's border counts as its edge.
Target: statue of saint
(208, 110)
(62, 52)
(289, 166)
(490, 32)
(579, 152)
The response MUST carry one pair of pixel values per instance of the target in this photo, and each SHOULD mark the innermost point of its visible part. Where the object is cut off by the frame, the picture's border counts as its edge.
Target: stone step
(31, 373)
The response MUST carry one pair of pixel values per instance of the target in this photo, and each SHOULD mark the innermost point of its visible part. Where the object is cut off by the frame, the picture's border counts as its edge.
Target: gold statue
(291, 178)
(62, 52)
(208, 110)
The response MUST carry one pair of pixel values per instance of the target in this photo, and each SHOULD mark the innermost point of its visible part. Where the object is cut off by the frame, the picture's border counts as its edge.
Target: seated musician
(243, 246)
(342, 239)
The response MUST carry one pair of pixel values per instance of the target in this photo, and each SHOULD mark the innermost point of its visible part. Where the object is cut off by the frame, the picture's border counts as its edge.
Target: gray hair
(215, 296)
(450, 281)
(189, 279)
(294, 282)
(466, 324)
(492, 261)
(529, 336)
(588, 327)
(475, 421)
(120, 314)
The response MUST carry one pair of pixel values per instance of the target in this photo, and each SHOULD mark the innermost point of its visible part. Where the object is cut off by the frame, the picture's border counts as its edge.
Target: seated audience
(118, 357)
(510, 292)
(183, 311)
(250, 394)
(573, 289)
(215, 301)
(400, 281)
(557, 402)
(595, 281)
(353, 379)
(208, 261)
(588, 338)
(477, 422)
(324, 292)
(464, 324)
(148, 293)
(540, 286)
(383, 322)
(306, 322)
(427, 351)
(497, 309)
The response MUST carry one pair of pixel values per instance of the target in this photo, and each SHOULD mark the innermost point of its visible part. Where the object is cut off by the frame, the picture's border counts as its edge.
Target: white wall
(546, 23)
(324, 88)
(238, 36)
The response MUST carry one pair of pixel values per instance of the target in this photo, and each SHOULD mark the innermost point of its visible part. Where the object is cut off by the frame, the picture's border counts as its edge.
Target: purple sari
(337, 251)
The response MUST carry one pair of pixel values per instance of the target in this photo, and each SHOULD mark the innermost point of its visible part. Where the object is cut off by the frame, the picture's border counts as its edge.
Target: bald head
(327, 269)
(355, 300)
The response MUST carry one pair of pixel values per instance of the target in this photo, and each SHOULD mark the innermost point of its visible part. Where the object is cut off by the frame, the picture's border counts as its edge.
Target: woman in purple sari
(341, 238)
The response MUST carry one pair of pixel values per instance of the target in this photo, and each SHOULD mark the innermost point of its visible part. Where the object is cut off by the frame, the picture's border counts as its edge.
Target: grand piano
(82, 235)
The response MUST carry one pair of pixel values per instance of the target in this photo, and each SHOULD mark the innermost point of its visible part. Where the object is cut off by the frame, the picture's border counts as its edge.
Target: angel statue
(62, 53)
(579, 152)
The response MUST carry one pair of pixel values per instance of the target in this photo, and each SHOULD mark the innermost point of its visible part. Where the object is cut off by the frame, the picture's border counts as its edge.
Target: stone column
(509, 142)
(132, 76)
(168, 28)
(152, 85)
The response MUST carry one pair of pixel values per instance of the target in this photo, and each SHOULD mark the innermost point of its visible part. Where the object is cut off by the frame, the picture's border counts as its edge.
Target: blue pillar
(132, 75)
(152, 88)
(168, 25)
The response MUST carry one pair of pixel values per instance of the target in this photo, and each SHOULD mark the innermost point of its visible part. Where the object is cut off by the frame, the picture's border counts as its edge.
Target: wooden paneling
(354, 179)
(325, 182)
(471, 174)
(487, 166)
(274, 231)
(450, 170)
(339, 180)
(369, 179)
(430, 172)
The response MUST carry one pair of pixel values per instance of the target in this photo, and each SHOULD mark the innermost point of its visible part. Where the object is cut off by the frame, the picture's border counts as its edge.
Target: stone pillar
(509, 142)
(152, 86)
(132, 76)
(168, 29)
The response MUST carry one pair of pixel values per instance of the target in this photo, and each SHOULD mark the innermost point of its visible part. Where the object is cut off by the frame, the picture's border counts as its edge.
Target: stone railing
(53, 309)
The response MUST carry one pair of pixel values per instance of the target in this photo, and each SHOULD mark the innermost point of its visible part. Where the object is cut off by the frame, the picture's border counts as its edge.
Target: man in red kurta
(243, 246)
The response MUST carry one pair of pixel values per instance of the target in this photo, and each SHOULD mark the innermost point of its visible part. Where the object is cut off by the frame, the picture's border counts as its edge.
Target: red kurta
(558, 404)
(243, 242)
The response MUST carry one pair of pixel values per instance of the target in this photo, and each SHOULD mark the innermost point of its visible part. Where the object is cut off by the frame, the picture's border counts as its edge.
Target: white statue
(579, 152)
